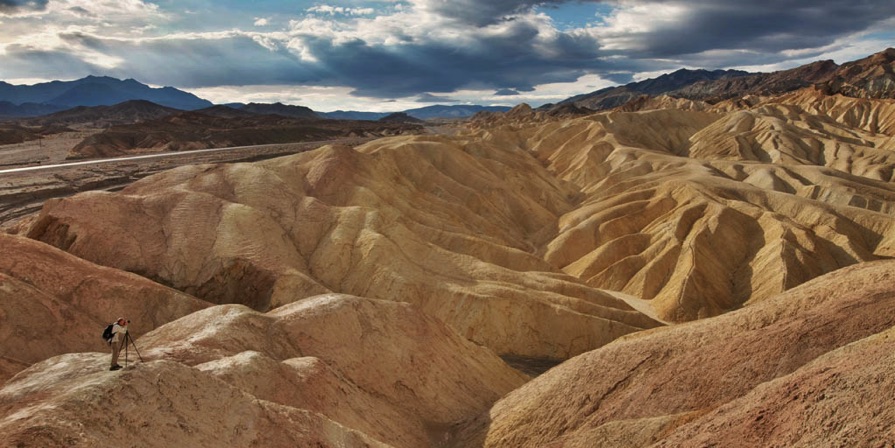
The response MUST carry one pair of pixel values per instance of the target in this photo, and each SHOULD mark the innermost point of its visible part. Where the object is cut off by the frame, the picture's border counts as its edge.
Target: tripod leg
(125, 350)
(135, 349)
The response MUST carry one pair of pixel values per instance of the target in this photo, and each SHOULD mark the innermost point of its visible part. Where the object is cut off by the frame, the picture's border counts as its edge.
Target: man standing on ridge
(119, 338)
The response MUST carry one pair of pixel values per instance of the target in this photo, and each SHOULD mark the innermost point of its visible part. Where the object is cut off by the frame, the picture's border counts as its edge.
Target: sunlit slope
(703, 212)
(811, 366)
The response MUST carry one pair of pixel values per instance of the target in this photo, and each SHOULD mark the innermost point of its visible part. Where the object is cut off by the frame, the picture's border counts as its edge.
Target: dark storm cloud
(25, 62)
(760, 26)
(506, 92)
(15, 6)
(501, 60)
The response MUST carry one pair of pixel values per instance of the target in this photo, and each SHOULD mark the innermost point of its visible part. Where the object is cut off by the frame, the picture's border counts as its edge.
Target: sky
(389, 55)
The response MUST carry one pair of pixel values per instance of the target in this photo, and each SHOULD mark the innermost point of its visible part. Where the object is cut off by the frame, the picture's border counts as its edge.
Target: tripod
(127, 338)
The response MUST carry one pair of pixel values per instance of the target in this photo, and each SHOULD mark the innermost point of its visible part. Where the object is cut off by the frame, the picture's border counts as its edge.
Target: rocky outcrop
(67, 401)
(330, 370)
(52, 303)
(871, 77)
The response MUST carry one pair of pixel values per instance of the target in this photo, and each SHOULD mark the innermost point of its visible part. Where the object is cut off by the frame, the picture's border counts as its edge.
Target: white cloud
(340, 10)
(328, 99)
(320, 99)
(625, 28)
(261, 21)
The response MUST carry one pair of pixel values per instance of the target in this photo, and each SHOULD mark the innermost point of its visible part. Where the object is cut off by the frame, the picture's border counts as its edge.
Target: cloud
(477, 12)
(663, 29)
(12, 7)
(340, 10)
(419, 50)
(23, 62)
(429, 98)
(407, 53)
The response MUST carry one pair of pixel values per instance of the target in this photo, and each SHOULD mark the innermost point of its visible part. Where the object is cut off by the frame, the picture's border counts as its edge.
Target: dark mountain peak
(567, 110)
(682, 78)
(281, 109)
(224, 111)
(127, 112)
(883, 57)
(871, 77)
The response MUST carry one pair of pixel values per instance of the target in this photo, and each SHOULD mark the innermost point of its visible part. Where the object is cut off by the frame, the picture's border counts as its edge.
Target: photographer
(119, 338)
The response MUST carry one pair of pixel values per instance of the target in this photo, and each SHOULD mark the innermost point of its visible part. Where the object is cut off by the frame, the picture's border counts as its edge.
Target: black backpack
(107, 334)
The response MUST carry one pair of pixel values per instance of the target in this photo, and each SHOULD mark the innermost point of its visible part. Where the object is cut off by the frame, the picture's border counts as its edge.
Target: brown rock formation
(765, 374)
(351, 282)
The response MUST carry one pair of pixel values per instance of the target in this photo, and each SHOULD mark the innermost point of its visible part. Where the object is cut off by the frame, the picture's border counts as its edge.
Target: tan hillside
(52, 303)
(449, 225)
(329, 370)
(762, 375)
(696, 212)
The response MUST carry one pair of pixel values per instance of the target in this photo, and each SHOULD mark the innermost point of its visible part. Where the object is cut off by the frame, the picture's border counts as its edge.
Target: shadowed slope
(839, 399)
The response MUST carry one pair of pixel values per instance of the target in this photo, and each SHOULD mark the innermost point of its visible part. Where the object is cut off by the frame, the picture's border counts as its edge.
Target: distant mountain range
(18, 101)
(871, 77)
(55, 96)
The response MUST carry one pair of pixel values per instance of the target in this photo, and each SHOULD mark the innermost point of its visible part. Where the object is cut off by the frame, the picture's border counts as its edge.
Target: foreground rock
(70, 401)
(52, 303)
(331, 370)
(779, 373)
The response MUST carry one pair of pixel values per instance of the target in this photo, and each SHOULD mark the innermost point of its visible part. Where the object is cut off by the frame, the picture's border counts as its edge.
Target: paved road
(180, 154)
(23, 190)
